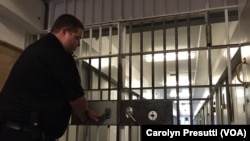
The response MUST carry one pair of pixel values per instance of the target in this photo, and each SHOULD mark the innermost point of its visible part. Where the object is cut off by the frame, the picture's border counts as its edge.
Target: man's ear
(64, 30)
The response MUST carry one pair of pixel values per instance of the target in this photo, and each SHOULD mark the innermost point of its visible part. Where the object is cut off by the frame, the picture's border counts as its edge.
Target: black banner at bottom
(178, 132)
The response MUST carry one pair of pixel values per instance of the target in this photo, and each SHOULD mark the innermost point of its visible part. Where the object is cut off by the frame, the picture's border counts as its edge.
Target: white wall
(12, 33)
(19, 18)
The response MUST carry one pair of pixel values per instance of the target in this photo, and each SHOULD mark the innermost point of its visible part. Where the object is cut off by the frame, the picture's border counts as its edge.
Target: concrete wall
(12, 33)
(19, 18)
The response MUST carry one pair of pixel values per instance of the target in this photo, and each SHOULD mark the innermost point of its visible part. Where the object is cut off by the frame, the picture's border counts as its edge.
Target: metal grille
(171, 66)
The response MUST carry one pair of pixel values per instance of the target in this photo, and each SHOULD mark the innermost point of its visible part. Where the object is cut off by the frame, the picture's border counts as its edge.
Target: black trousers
(13, 134)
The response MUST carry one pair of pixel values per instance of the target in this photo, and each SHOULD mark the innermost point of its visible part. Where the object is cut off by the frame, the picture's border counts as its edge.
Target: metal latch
(106, 115)
(129, 114)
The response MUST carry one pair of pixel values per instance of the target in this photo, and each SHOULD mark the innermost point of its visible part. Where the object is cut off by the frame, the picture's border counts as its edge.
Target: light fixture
(171, 80)
(183, 93)
(159, 57)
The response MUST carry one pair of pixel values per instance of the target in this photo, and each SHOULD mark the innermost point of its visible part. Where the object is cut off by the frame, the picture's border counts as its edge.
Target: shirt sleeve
(66, 74)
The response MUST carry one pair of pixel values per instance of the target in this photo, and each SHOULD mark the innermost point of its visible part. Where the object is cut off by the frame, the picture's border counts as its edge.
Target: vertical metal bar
(99, 74)
(91, 41)
(230, 96)
(121, 36)
(177, 71)
(120, 62)
(99, 58)
(130, 60)
(189, 70)
(77, 131)
(208, 111)
(80, 62)
(80, 71)
(164, 60)
(210, 86)
(110, 38)
(110, 52)
(217, 107)
(221, 104)
(100, 40)
(129, 133)
(208, 31)
(67, 134)
(90, 86)
(87, 133)
(153, 60)
(97, 134)
(204, 115)
(141, 61)
(90, 74)
(108, 133)
(209, 44)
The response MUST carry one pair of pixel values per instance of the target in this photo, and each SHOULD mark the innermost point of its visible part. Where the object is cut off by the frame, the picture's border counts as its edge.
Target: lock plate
(152, 115)
(147, 112)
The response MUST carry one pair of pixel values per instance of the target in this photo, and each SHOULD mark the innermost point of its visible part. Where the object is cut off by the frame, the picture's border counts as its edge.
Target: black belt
(35, 133)
(32, 127)
(17, 126)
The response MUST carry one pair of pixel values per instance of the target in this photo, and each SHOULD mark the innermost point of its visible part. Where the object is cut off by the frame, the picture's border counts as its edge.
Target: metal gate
(165, 70)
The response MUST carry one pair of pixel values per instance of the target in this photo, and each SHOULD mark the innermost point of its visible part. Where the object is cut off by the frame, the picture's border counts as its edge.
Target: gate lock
(146, 112)
(152, 115)
(105, 115)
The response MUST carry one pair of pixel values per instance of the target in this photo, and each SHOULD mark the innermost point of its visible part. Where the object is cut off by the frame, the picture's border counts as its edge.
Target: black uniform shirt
(44, 79)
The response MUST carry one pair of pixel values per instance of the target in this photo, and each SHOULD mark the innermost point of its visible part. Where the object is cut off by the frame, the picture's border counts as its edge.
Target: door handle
(129, 114)
(106, 115)
(238, 72)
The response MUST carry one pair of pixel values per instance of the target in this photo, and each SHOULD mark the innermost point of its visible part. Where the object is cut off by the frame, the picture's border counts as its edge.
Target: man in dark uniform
(44, 87)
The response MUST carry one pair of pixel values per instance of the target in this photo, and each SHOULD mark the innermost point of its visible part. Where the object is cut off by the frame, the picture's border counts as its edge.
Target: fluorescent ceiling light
(182, 94)
(159, 57)
(171, 80)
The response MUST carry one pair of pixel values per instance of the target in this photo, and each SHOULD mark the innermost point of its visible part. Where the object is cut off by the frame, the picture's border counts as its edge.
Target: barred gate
(161, 70)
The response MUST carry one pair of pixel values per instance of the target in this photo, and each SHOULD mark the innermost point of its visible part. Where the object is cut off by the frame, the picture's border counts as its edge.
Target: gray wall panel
(104, 11)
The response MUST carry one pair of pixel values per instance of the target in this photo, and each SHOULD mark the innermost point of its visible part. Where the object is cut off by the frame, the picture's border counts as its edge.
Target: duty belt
(17, 126)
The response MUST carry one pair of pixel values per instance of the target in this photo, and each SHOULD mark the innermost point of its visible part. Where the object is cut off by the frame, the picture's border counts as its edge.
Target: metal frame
(127, 28)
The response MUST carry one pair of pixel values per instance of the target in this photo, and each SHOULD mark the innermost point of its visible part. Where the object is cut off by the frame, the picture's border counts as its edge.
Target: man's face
(72, 40)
